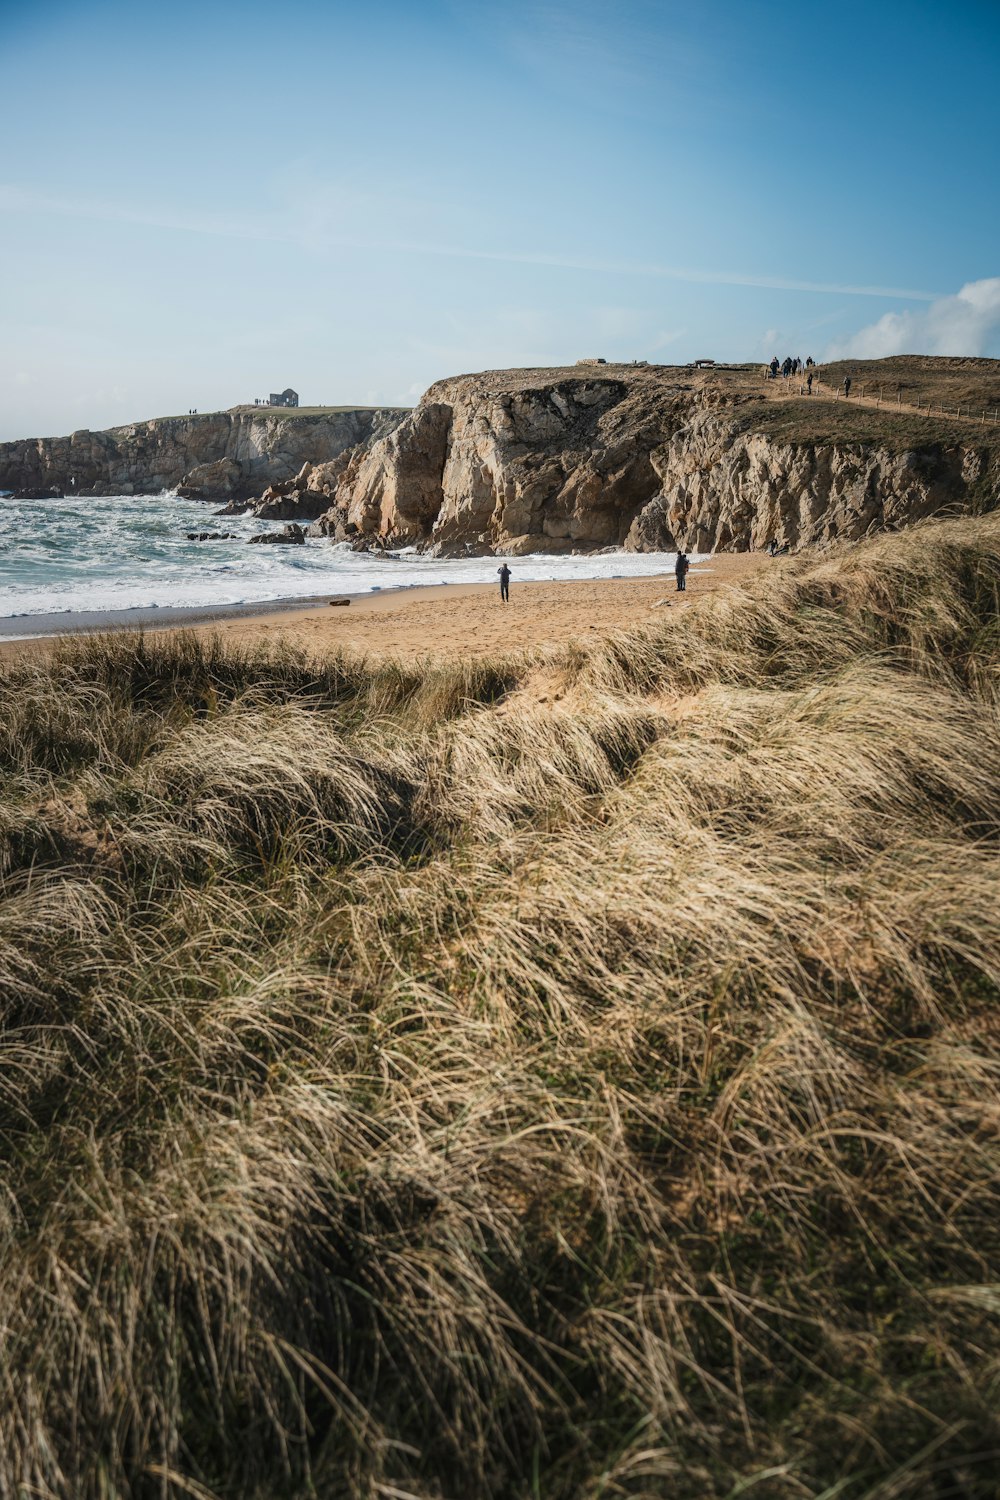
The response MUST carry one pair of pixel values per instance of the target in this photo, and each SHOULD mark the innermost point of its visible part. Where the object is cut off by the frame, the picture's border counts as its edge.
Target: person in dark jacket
(847, 386)
(681, 571)
(504, 573)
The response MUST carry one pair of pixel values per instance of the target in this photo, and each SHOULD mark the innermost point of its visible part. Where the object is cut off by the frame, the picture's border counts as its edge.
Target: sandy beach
(451, 620)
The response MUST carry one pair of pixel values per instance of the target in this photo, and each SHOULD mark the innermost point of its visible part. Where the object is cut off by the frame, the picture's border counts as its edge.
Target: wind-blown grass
(412, 1087)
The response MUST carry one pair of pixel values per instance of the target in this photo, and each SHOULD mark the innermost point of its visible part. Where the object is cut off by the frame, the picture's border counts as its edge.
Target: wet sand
(450, 620)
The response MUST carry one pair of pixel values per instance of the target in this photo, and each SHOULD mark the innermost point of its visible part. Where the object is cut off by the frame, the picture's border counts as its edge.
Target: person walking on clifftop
(681, 571)
(504, 573)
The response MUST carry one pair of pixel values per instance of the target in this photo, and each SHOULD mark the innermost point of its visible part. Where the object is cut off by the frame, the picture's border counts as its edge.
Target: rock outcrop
(724, 490)
(216, 456)
(646, 458)
(289, 536)
(487, 464)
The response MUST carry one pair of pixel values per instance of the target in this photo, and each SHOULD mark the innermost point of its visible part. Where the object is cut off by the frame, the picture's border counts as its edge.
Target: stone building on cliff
(287, 398)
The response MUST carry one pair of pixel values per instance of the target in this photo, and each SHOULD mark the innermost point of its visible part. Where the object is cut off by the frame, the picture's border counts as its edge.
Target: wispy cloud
(632, 58)
(963, 324)
(15, 199)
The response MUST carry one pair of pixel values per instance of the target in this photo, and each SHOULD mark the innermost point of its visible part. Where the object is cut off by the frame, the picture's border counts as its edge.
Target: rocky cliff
(650, 458)
(219, 455)
(592, 456)
(723, 488)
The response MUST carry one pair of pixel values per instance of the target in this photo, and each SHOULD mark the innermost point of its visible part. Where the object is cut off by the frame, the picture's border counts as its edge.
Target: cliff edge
(653, 457)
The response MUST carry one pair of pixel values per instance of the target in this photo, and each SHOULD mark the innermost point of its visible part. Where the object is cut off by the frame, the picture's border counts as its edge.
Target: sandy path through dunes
(468, 620)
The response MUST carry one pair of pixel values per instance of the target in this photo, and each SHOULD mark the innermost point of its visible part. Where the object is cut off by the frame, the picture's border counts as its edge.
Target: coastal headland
(576, 459)
(217, 455)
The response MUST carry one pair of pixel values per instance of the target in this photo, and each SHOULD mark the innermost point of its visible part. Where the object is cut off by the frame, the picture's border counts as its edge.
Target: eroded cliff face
(217, 456)
(487, 464)
(523, 461)
(724, 489)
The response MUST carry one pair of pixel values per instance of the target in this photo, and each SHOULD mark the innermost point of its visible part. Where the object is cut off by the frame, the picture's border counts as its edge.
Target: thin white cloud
(16, 199)
(967, 323)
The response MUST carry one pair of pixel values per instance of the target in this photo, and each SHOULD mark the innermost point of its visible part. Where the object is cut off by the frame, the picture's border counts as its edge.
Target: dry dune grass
(411, 1087)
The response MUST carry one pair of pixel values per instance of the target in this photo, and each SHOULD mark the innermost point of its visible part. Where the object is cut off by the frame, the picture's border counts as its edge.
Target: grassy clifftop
(567, 1077)
(823, 422)
(782, 410)
(950, 380)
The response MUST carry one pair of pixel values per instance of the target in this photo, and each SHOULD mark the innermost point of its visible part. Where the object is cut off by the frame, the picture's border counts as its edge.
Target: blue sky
(201, 203)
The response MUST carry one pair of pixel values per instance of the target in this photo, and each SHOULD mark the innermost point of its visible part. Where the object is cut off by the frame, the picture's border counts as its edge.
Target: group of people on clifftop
(788, 367)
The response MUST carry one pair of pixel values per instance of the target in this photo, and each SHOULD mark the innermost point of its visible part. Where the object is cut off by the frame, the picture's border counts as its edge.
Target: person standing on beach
(504, 573)
(681, 570)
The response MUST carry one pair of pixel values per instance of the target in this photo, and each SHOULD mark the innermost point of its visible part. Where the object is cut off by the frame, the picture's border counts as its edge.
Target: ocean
(119, 553)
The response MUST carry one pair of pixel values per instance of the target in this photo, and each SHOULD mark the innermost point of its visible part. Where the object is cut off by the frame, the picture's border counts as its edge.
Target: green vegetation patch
(411, 1085)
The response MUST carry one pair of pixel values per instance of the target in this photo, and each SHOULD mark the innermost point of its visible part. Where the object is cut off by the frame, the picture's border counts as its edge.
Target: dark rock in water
(213, 536)
(290, 536)
(38, 495)
(234, 508)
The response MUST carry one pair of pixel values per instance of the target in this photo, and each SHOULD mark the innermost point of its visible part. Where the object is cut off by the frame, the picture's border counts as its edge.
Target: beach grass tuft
(413, 1084)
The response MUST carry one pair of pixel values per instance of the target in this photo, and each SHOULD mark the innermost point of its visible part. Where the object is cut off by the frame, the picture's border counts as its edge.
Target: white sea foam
(131, 552)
